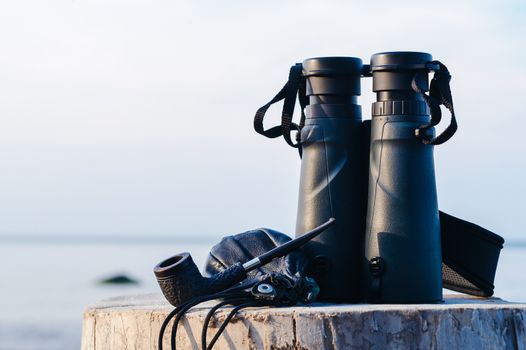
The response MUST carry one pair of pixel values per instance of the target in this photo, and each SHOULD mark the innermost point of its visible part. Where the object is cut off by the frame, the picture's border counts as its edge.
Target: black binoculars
(377, 178)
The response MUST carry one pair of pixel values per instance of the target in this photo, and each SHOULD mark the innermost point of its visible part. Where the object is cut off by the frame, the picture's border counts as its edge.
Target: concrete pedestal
(459, 323)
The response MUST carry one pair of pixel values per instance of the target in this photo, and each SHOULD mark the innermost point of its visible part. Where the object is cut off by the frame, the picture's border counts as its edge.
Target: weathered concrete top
(459, 323)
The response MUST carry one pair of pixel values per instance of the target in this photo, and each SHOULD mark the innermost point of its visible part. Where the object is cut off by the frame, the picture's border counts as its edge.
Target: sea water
(46, 284)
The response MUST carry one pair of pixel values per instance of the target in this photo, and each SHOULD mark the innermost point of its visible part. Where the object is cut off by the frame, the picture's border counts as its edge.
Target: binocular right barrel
(402, 237)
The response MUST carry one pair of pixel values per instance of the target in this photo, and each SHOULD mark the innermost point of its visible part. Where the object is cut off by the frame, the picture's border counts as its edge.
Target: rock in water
(119, 279)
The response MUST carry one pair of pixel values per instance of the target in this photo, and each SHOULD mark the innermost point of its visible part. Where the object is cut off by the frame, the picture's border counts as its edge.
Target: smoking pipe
(180, 279)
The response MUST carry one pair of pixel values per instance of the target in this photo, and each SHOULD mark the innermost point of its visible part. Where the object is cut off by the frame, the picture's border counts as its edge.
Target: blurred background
(126, 134)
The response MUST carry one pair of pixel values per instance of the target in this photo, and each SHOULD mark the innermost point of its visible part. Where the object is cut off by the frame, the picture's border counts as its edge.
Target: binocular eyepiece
(332, 81)
(394, 74)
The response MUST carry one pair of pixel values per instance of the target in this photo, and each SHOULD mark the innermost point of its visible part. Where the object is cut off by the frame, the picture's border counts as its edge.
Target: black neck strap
(295, 86)
(439, 94)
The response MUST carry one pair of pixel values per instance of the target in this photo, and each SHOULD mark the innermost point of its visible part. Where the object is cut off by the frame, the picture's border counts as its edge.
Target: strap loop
(439, 94)
(294, 86)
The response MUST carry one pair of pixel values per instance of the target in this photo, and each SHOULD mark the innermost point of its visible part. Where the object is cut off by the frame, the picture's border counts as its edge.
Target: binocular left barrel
(333, 176)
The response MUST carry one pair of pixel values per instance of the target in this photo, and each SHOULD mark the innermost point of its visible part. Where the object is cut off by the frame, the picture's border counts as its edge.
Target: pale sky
(135, 117)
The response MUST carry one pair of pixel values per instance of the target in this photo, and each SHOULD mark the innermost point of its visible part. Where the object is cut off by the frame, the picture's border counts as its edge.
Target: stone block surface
(459, 323)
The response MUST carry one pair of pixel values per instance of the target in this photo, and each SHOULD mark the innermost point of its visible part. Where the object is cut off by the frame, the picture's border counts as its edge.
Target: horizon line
(28, 238)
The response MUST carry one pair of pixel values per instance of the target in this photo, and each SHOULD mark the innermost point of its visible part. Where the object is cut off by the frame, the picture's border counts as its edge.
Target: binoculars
(377, 179)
